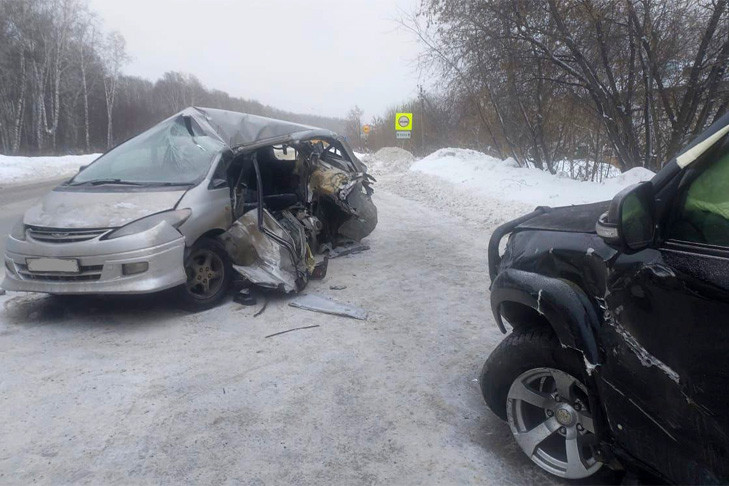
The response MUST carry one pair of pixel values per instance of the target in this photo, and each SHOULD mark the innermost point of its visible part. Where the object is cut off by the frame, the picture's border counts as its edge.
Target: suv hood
(86, 209)
(572, 219)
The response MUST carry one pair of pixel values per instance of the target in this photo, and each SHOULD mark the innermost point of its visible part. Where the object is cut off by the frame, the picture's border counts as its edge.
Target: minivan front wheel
(209, 273)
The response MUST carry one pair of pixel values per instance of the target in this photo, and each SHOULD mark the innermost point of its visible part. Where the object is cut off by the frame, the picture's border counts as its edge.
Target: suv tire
(538, 387)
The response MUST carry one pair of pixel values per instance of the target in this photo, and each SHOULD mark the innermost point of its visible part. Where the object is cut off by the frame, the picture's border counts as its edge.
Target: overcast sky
(316, 56)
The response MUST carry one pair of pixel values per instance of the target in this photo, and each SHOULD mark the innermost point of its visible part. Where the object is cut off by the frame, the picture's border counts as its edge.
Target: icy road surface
(131, 390)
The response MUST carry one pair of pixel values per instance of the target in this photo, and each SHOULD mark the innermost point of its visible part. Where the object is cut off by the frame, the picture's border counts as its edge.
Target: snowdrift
(27, 170)
(388, 160)
(493, 178)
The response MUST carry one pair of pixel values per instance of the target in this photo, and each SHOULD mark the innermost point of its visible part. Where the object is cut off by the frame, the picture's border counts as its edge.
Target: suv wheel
(209, 273)
(532, 382)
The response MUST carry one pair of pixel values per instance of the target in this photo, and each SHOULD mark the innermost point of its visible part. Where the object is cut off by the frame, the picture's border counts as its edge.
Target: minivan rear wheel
(209, 274)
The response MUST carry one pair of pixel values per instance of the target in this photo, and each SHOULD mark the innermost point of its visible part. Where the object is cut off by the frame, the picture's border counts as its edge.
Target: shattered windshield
(166, 154)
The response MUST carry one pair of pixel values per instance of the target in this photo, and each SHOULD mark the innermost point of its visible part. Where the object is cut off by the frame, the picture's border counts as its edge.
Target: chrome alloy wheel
(205, 272)
(548, 412)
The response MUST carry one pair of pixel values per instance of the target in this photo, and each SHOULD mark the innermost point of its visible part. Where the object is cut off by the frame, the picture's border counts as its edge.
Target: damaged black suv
(619, 354)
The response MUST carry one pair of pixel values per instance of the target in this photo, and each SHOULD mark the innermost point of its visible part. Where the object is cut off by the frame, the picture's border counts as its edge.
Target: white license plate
(55, 265)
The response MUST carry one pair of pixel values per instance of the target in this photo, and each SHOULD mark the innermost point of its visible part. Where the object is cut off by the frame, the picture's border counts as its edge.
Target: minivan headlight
(174, 218)
(18, 231)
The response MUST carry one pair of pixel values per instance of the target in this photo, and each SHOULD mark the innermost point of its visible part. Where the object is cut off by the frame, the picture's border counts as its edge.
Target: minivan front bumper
(101, 264)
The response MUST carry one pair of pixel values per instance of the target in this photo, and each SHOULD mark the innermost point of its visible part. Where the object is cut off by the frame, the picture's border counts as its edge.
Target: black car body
(634, 296)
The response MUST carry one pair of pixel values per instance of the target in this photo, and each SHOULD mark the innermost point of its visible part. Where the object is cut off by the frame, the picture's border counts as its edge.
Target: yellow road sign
(366, 129)
(403, 122)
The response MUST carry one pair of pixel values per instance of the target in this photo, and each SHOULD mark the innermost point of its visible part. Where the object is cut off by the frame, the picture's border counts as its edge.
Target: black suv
(619, 353)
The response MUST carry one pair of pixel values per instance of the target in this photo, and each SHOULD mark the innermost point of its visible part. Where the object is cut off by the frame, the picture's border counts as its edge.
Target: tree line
(623, 81)
(63, 88)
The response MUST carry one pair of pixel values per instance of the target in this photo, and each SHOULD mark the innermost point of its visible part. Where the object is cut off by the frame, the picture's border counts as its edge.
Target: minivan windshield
(166, 154)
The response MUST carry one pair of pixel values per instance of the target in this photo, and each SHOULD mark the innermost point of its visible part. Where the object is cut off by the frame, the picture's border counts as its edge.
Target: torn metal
(278, 261)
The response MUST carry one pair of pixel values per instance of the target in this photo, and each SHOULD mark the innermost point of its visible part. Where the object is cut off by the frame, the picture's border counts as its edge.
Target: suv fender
(563, 304)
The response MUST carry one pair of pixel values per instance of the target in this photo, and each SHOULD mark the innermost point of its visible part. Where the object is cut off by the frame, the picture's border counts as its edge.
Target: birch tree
(115, 57)
(86, 48)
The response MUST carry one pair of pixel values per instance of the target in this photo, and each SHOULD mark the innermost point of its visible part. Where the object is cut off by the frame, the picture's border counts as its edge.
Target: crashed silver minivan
(185, 204)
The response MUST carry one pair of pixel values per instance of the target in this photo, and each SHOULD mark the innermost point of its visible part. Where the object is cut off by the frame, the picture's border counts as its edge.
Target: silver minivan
(185, 204)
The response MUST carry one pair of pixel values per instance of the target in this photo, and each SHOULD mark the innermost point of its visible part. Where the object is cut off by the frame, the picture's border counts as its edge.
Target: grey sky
(316, 56)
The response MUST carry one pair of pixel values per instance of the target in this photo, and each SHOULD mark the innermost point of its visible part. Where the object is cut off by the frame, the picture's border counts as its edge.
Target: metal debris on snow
(292, 330)
(317, 303)
(348, 250)
(244, 297)
(263, 309)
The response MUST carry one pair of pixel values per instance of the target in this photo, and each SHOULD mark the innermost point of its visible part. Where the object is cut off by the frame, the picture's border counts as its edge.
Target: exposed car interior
(280, 180)
(300, 177)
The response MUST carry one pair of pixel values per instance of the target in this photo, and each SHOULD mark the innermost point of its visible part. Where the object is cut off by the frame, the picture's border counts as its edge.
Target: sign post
(403, 126)
(366, 129)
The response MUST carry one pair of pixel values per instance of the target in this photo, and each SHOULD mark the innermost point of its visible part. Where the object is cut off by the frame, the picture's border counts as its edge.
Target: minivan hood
(92, 209)
(573, 219)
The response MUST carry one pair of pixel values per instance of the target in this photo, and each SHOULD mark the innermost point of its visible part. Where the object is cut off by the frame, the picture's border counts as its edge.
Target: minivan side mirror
(630, 221)
(218, 183)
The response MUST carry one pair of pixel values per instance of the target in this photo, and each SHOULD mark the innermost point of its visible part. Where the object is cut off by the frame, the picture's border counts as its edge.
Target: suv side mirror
(630, 221)
(81, 169)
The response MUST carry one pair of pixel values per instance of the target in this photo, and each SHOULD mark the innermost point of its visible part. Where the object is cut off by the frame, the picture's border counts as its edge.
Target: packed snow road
(132, 390)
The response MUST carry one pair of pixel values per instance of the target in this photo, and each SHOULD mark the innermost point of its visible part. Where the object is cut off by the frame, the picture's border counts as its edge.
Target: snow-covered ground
(484, 190)
(504, 179)
(27, 170)
(491, 178)
(132, 390)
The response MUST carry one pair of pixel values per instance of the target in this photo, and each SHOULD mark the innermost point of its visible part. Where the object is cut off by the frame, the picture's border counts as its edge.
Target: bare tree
(85, 52)
(354, 126)
(115, 57)
(652, 72)
(62, 88)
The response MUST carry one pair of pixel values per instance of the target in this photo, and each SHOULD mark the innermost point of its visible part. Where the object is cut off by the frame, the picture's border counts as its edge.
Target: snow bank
(389, 160)
(26, 170)
(486, 176)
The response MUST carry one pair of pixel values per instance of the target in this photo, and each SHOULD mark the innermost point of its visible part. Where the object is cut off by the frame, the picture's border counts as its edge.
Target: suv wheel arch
(560, 303)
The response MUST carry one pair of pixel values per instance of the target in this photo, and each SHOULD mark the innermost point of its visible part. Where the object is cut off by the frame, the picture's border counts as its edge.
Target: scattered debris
(2, 292)
(292, 330)
(244, 297)
(337, 287)
(265, 304)
(352, 249)
(320, 270)
(317, 303)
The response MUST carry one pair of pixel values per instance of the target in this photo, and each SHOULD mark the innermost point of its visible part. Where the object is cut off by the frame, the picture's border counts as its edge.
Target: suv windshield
(165, 154)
